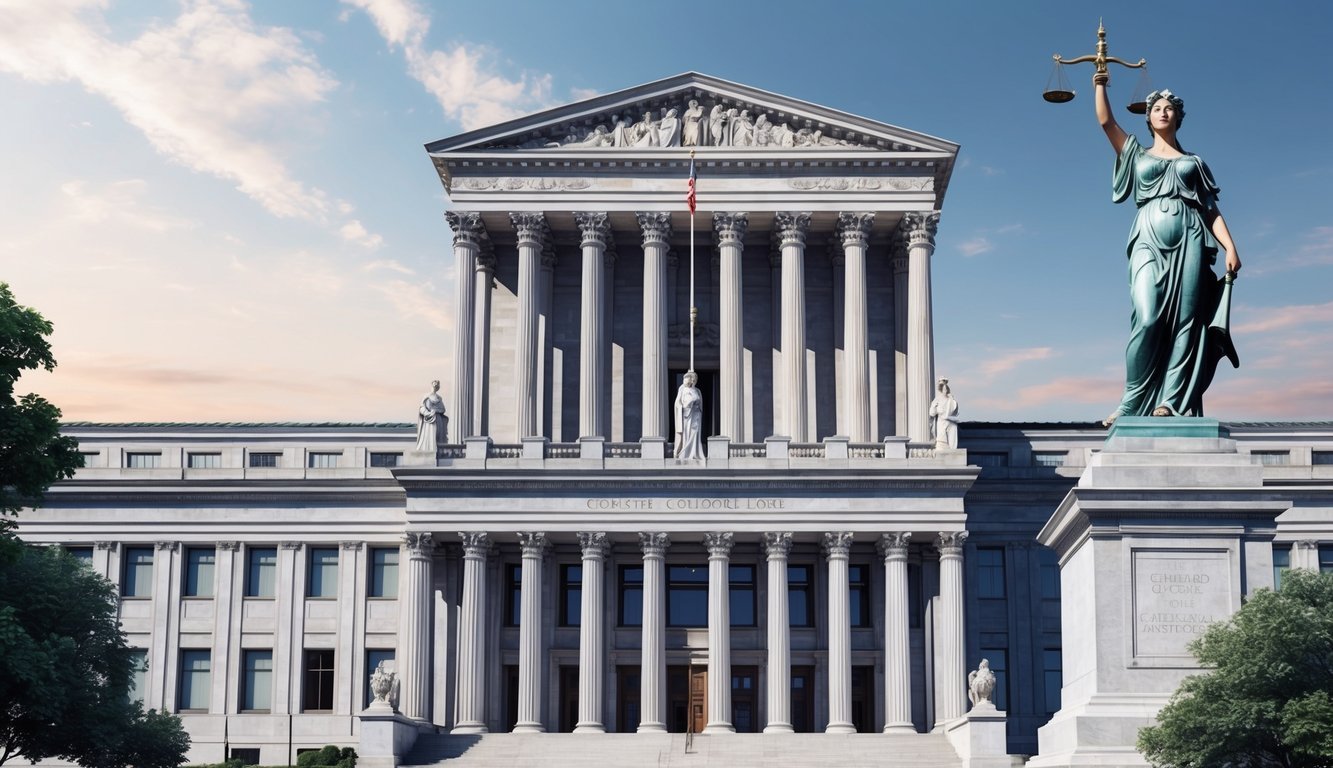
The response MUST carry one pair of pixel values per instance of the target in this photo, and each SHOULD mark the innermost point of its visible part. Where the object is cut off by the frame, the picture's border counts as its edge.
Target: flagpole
(694, 311)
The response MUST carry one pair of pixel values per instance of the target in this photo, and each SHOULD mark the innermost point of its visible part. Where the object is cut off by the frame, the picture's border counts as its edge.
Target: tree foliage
(33, 453)
(1267, 700)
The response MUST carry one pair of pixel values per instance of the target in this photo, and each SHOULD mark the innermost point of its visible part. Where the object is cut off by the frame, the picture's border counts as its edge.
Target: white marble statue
(600, 137)
(692, 134)
(644, 132)
(620, 135)
(432, 423)
(668, 130)
(384, 686)
(981, 685)
(742, 130)
(763, 130)
(689, 419)
(717, 127)
(784, 136)
(944, 416)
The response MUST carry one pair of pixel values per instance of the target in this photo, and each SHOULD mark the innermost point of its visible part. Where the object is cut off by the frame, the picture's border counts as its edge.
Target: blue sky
(226, 210)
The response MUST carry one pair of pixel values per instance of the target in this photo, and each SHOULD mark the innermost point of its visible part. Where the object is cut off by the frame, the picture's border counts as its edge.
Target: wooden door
(698, 698)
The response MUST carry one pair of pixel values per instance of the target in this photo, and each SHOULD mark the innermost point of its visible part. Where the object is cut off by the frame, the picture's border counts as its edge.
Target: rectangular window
(687, 595)
(384, 572)
(1049, 458)
(858, 594)
(384, 459)
(800, 595)
(261, 570)
(264, 460)
(89, 458)
(194, 686)
(513, 593)
(199, 572)
(204, 461)
(1049, 564)
(373, 658)
(317, 692)
(138, 674)
(138, 581)
(1272, 458)
(322, 577)
(992, 459)
(247, 755)
(1326, 559)
(1321, 457)
(1052, 677)
(990, 572)
(143, 460)
(1281, 564)
(631, 596)
(257, 681)
(999, 664)
(742, 595)
(82, 554)
(323, 460)
(571, 594)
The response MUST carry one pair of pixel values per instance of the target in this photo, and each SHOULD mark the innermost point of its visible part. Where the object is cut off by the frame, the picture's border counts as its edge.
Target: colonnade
(415, 668)
(475, 261)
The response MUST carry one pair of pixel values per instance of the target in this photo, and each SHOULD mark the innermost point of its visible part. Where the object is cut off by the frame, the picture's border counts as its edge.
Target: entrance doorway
(803, 699)
(710, 390)
(687, 698)
(569, 698)
(745, 699)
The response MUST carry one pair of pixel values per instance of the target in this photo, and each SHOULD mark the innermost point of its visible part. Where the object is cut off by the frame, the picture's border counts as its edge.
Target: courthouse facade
(828, 567)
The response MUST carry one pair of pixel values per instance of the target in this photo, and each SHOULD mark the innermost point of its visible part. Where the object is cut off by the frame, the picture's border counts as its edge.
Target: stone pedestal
(979, 737)
(1168, 529)
(386, 736)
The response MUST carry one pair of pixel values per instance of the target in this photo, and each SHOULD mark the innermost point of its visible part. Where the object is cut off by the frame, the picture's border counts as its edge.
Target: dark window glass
(264, 459)
(82, 554)
(990, 572)
(204, 461)
(571, 594)
(199, 572)
(1049, 563)
(914, 595)
(383, 572)
(317, 691)
(138, 580)
(261, 571)
(984, 459)
(247, 755)
(322, 577)
(194, 681)
(318, 460)
(513, 593)
(631, 596)
(257, 681)
(384, 459)
(1051, 674)
(800, 591)
(1326, 559)
(742, 596)
(858, 593)
(1281, 564)
(687, 595)
(999, 665)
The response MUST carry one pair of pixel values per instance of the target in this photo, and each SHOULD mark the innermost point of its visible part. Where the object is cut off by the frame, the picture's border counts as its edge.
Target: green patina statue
(1179, 326)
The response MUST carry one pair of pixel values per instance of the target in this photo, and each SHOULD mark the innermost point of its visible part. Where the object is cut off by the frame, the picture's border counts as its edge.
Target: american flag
(690, 195)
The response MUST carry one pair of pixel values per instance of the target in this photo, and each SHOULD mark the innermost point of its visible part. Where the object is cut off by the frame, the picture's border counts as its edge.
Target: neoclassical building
(550, 567)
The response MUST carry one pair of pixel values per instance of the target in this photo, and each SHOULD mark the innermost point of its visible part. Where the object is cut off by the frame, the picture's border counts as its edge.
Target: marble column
(951, 675)
(791, 229)
(468, 234)
(899, 337)
(652, 658)
(533, 546)
(854, 232)
(897, 650)
(656, 237)
(472, 636)
(836, 548)
(719, 633)
(730, 229)
(1305, 554)
(777, 546)
(920, 231)
(595, 230)
(532, 231)
(592, 633)
(481, 328)
(414, 626)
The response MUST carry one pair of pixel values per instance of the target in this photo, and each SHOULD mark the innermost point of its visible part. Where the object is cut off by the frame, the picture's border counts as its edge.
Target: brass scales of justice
(1058, 90)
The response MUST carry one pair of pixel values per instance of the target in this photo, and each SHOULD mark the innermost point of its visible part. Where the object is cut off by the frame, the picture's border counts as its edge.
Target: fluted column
(531, 230)
(730, 229)
(414, 626)
(777, 546)
(719, 633)
(920, 230)
(595, 231)
(899, 337)
(592, 633)
(854, 232)
(897, 651)
(468, 234)
(656, 236)
(836, 547)
(529, 720)
(951, 677)
(472, 636)
(652, 658)
(791, 229)
(481, 328)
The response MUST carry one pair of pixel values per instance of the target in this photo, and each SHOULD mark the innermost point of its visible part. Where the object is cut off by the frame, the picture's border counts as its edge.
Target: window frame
(626, 587)
(859, 614)
(247, 683)
(571, 595)
(314, 667)
(380, 570)
(143, 459)
(210, 460)
(327, 591)
(252, 590)
(189, 677)
(259, 459)
(128, 562)
(805, 587)
(191, 586)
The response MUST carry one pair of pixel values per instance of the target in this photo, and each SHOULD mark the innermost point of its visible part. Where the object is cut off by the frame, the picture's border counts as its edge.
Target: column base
(840, 728)
(469, 728)
(779, 728)
(529, 727)
(652, 728)
(900, 728)
(719, 728)
(589, 728)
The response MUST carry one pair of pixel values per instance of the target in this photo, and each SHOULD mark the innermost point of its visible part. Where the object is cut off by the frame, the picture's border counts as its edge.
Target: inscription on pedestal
(1176, 596)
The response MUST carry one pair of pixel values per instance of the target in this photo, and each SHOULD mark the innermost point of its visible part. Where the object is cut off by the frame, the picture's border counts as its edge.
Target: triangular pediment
(691, 111)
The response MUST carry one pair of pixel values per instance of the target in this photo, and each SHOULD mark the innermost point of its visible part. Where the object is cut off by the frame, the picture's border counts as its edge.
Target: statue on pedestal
(981, 685)
(384, 686)
(944, 416)
(432, 423)
(689, 419)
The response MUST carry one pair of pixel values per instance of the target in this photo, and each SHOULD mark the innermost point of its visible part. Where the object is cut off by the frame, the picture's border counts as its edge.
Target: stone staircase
(676, 750)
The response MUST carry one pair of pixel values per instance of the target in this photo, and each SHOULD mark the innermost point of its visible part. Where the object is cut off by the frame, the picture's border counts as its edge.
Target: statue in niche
(717, 127)
(668, 130)
(944, 416)
(689, 419)
(981, 685)
(432, 423)
(644, 132)
(693, 133)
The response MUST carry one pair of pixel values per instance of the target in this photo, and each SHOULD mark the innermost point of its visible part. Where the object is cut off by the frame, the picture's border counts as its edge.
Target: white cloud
(388, 264)
(1011, 359)
(975, 246)
(354, 232)
(462, 79)
(119, 202)
(415, 301)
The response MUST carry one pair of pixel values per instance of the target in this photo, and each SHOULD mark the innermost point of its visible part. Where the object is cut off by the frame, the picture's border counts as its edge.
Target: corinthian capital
(919, 227)
(718, 544)
(467, 226)
(730, 227)
(654, 544)
(476, 544)
(777, 544)
(594, 545)
(594, 227)
(893, 546)
(790, 228)
(656, 227)
(854, 229)
(530, 226)
(838, 544)
(418, 544)
(951, 544)
(532, 544)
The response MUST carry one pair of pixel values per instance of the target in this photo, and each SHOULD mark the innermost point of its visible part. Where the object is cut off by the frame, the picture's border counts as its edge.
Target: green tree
(1266, 701)
(33, 453)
